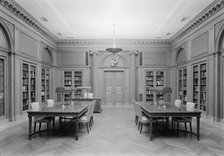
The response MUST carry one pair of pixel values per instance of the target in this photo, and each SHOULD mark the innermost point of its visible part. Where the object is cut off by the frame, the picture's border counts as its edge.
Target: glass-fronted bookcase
(28, 85)
(182, 84)
(154, 80)
(73, 79)
(2, 87)
(45, 84)
(200, 85)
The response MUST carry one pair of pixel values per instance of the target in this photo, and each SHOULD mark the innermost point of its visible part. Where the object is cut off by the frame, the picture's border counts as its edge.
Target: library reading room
(112, 77)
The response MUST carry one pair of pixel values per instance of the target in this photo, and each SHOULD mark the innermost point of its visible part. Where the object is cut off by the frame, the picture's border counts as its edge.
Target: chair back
(135, 107)
(90, 95)
(50, 102)
(139, 110)
(190, 106)
(35, 106)
(161, 102)
(177, 103)
(92, 107)
(85, 95)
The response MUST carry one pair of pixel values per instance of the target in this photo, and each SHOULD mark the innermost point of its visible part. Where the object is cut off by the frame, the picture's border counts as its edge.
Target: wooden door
(114, 87)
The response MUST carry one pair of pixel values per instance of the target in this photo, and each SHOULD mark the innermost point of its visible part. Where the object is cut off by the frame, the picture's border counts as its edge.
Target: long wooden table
(153, 111)
(98, 104)
(58, 110)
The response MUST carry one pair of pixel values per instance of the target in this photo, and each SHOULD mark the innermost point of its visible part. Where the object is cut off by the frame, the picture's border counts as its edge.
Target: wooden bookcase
(200, 85)
(182, 84)
(154, 80)
(45, 84)
(2, 87)
(28, 85)
(73, 79)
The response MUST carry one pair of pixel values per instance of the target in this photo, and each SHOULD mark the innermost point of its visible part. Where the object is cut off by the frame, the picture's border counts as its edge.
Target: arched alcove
(46, 57)
(220, 62)
(181, 57)
(113, 60)
(6, 102)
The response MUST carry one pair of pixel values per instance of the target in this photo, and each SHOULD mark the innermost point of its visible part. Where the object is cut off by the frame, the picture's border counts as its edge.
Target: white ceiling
(94, 19)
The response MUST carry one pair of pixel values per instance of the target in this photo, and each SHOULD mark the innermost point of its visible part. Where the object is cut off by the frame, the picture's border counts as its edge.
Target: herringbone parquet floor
(114, 133)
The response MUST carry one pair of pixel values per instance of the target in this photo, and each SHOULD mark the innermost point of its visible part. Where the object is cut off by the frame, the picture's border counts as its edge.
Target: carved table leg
(30, 127)
(150, 128)
(198, 128)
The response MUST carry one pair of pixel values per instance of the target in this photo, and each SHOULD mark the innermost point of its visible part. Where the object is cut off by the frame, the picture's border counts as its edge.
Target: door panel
(109, 88)
(114, 87)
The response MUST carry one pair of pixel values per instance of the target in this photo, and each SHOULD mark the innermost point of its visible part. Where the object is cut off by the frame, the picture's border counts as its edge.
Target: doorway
(113, 88)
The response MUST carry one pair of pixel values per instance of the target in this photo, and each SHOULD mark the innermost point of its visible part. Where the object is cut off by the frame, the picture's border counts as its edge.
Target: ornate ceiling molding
(22, 14)
(102, 42)
(198, 20)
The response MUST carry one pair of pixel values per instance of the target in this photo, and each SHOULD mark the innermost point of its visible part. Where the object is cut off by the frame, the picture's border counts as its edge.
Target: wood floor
(114, 134)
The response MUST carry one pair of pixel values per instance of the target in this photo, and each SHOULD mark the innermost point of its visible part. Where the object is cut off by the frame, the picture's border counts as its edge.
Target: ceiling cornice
(124, 42)
(22, 14)
(212, 9)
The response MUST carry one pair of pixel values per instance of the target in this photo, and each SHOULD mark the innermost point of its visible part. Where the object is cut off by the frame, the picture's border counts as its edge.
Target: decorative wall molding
(102, 42)
(198, 20)
(22, 14)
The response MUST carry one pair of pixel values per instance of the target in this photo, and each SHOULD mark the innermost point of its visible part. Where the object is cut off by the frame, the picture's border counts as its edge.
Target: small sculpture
(114, 61)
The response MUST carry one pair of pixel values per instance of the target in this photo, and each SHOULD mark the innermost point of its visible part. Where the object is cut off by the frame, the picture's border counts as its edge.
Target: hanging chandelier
(114, 49)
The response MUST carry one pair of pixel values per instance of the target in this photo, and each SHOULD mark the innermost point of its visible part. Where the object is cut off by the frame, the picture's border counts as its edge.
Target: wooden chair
(185, 120)
(142, 120)
(136, 112)
(50, 103)
(177, 104)
(87, 118)
(35, 106)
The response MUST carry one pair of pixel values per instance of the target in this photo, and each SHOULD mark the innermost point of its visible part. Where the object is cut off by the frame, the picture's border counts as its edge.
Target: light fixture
(114, 49)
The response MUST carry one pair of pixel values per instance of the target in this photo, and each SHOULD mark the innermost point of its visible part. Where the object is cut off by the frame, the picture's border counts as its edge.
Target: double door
(114, 87)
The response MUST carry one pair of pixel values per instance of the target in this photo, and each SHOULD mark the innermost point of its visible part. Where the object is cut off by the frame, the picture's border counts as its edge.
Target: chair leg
(53, 124)
(138, 125)
(92, 120)
(87, 127)
(34, 128)
(177, 128)
(40, 128)
(190, 128)
(185, 124)
(141, 128)
(48, 128)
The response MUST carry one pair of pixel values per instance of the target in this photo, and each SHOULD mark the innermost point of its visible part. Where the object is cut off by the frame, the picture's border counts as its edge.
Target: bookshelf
(182, 84)
(78, 83)
(45, 84)
(2, 87)
(149, 84)
(28, 85)
(154, 79)
(199, 86)
(73, 79)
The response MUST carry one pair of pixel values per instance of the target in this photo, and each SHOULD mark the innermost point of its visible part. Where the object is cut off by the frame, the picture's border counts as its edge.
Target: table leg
(30, 127)
(77, 129)
(150, 128)
(198, 127)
